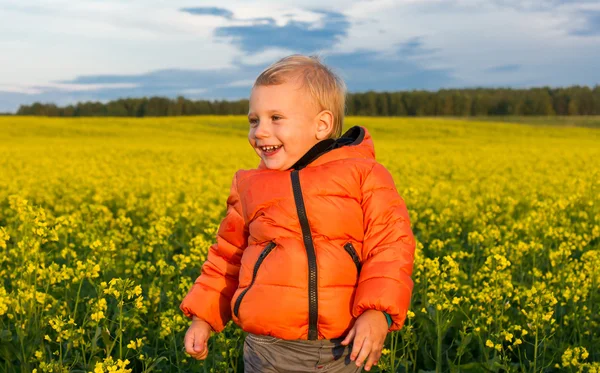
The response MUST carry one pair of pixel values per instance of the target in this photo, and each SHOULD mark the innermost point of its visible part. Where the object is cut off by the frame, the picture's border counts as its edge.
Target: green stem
(121, 328)
(176, 351)
(521, 365)
(393, 351)
(83, 355)
(22, 346)
(438, 363)
(77, 300)
(535, 350)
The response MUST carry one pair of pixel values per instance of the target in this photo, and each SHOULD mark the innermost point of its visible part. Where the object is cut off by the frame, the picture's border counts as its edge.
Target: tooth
(270, 147)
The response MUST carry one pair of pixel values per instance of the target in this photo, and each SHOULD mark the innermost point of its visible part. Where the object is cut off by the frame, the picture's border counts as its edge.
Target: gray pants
(266, 354)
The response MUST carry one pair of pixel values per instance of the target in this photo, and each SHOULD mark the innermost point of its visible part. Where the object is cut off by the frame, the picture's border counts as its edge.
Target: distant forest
(575, 100)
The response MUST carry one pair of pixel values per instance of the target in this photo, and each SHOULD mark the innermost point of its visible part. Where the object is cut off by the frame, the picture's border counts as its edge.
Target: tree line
(575, 100)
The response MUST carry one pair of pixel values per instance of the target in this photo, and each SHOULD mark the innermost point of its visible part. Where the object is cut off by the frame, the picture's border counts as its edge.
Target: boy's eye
(254, 122)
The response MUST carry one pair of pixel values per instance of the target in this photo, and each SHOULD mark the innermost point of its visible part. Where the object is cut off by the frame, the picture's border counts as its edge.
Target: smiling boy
(314, 256)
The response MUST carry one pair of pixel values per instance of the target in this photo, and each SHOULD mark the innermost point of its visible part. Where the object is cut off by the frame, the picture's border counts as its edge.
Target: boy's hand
(196, 339)
(369, 332)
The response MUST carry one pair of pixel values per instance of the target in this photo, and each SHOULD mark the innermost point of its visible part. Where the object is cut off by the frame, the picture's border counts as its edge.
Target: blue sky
(68, 51)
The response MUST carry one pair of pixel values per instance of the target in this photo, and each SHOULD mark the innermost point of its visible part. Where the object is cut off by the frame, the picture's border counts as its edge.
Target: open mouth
(270, 149)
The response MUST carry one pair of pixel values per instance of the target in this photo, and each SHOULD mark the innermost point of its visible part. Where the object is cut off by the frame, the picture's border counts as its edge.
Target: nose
(262, 130)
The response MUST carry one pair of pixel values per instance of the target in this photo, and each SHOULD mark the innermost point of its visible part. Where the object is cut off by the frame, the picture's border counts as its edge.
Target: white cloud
(265, 57)
(103, 38)
(84, 87)
(51, 41)
(239, 83)
(20, 89)
(65, 87)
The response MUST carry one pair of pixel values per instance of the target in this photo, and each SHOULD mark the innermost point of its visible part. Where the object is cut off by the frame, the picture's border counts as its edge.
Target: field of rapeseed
(104, 224)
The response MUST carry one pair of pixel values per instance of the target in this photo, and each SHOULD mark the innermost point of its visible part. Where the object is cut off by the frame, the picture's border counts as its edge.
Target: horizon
(173, 99)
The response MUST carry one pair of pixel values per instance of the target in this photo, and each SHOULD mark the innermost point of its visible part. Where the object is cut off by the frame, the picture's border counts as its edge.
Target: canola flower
(104, 223)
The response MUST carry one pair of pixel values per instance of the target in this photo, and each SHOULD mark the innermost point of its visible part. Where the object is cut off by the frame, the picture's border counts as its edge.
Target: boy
(315, 252)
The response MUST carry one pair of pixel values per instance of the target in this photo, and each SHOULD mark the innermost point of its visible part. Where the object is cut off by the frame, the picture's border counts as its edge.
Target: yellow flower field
(104, 224)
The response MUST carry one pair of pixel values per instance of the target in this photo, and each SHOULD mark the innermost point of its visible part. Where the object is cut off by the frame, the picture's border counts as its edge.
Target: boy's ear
(324, 124)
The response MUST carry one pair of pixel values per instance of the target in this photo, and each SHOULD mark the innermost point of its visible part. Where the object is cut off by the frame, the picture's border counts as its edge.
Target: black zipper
(261, 258)
(313, 306)
(350, 249)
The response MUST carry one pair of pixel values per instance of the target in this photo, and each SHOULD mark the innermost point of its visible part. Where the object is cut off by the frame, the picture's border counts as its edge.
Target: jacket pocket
(352, 252)
(270, 246)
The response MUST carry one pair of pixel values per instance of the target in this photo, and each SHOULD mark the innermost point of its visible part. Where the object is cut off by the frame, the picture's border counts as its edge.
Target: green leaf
(5, 335)
(151, 367)
(106, 339)
(95, 338)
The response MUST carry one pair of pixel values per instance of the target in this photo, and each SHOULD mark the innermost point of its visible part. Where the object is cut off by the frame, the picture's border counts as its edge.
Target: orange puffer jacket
(301, 253)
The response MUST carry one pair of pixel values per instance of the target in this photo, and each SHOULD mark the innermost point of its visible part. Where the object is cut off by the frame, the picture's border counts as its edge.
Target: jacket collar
(356, 142)
(353, 136)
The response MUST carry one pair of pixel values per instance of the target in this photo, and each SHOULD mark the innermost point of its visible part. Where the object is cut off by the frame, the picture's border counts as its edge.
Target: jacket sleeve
(385, 282)
(210, 295)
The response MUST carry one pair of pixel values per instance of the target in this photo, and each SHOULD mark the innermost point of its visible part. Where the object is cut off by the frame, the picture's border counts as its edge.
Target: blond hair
(326, 88)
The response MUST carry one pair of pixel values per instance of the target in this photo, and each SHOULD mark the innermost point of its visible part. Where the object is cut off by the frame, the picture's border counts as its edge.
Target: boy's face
(284, 119)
